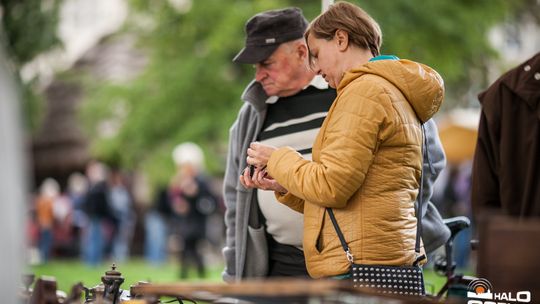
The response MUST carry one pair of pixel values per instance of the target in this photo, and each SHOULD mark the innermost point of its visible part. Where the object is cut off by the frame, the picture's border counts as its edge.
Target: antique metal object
(107, 292)
(44, 291)
(112, 281)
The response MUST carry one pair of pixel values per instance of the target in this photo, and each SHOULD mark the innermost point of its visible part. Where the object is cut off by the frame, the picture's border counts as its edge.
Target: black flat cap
(267, 30)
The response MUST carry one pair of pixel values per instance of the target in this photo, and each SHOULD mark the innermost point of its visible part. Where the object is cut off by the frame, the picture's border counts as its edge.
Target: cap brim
(255, 54)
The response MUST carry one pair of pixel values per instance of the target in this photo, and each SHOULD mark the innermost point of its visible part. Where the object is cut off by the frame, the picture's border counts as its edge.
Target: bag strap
(421, 194)
(418, 212)
(350, 257)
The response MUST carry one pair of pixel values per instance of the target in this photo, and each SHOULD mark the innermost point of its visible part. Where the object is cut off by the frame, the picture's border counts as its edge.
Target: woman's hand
(260, 180)
(259, 154)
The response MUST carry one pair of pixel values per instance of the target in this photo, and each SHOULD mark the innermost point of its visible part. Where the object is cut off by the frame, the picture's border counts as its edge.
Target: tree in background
(190, 89)
(27, 29)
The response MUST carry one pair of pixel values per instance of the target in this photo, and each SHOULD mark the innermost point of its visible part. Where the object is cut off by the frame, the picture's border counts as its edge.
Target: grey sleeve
(434, 231)
(229, 195)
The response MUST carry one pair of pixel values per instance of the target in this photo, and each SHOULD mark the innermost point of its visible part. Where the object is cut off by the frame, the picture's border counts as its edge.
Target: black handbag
(398, 280)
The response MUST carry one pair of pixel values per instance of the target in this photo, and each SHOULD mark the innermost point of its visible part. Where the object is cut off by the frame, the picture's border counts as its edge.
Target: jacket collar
(255, 95)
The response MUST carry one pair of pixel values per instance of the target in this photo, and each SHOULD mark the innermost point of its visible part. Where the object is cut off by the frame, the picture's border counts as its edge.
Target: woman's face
(324, 58)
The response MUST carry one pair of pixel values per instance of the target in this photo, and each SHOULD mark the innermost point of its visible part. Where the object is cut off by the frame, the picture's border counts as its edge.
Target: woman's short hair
(363, 30)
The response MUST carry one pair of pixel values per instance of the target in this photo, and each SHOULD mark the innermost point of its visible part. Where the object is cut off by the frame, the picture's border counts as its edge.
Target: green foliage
(30, 27)
(450, 36)
(190, 89)
(32, 103)
(27, 29)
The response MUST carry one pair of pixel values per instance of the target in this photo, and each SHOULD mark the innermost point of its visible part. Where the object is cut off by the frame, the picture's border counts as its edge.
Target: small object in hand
(252, 170)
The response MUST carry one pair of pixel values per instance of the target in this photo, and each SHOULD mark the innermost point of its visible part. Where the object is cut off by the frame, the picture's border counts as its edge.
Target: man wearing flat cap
(284, 105)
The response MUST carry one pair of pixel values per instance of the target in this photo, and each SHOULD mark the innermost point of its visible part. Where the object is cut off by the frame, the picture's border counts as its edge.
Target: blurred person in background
(156, 227)
(97, 209)
(48, 193)
(192, 201)
(76, 191)
(63, 226)
(285, 105)
(456, 201)
(124, 216)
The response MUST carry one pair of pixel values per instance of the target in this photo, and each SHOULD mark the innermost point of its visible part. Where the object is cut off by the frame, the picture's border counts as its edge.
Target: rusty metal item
(94, 295)
(44, 291)
(75, 294)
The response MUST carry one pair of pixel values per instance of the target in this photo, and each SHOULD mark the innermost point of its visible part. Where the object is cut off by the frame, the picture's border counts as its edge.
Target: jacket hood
(422, 86)
(522, 80)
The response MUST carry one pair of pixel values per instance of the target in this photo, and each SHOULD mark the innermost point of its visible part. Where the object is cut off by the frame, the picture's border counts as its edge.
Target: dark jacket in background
(506, 170)
(96, 203)
(163, 203)
(202, 204)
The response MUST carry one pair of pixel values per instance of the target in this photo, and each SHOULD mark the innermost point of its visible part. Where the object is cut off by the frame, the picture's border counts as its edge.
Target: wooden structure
(509, 254)
(268, 291)
(60, 147)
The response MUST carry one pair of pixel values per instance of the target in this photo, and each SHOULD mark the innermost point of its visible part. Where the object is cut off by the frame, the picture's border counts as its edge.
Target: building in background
(59, 146)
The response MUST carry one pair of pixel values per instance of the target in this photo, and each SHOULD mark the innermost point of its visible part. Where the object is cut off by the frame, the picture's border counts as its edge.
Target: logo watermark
(480, 291)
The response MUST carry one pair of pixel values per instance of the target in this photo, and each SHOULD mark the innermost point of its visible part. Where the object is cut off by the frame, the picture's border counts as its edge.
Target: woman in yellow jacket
(367, 156)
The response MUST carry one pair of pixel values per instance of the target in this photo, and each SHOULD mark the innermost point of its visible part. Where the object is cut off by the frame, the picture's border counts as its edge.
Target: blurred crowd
(452, 196)
(95, 217)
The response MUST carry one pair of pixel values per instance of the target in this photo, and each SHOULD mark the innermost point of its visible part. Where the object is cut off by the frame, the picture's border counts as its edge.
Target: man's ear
(302, 51)
(342, 40)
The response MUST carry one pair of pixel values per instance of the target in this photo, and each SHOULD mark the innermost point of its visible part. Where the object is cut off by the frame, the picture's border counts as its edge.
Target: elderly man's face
(279, 73)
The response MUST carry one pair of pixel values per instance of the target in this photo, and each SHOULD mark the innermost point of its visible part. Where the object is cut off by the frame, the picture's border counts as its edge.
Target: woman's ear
(342, 40)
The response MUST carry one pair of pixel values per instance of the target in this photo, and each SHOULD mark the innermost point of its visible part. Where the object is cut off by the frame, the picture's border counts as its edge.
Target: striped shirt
(292, 121)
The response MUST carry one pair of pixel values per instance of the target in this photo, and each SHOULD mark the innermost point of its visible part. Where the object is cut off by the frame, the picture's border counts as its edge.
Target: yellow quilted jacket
(366, 166)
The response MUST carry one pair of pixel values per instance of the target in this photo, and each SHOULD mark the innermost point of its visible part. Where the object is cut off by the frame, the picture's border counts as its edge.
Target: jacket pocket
(318, 245)
(256, 253)
(229, 273)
